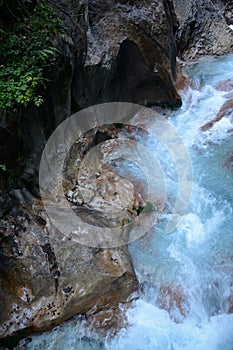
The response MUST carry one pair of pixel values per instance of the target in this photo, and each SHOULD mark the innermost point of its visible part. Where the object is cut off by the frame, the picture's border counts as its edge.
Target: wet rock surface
(46, 278)
(114, 51)
(173, 299)
(111, 320)
(226, 108)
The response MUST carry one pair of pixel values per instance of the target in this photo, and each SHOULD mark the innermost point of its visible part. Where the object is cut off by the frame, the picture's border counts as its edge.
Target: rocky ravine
(114, 51)
(46, 276)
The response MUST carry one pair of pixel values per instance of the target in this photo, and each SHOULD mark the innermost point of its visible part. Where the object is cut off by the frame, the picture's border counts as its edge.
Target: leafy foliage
(26, 51)
(3, 167)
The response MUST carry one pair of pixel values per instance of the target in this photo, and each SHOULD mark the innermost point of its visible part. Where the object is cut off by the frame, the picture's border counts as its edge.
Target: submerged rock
(225, 110)
(109, 321)
(175, 301)
(171, 297)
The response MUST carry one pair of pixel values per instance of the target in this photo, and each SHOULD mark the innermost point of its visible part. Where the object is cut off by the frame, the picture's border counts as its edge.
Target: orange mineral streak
(225, 108)
(227, 86)
(173, 297)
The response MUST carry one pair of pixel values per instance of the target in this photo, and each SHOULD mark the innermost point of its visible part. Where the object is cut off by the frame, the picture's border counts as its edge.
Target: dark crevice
(53, 266)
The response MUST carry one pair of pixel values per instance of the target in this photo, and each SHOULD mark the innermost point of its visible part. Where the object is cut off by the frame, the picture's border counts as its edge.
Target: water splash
(187, 275)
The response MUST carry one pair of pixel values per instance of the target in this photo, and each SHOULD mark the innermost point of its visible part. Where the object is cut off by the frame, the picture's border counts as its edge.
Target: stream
(186, 276)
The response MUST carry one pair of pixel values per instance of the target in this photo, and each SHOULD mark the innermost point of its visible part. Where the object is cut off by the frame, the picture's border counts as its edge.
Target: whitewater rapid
(186, 276)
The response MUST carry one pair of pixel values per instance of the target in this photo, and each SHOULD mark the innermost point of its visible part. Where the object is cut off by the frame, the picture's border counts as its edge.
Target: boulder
(47, 278)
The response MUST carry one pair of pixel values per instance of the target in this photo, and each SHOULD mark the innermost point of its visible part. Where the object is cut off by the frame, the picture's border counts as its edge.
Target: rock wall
(113, 51)
(130, 54)
(203, 28)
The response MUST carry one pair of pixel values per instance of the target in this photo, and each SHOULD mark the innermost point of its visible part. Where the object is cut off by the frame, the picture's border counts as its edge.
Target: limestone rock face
(203, 28)
(130, 54)
(118, 50)
(115, 51)
(112, 51)
(47, 278)
(228, 12)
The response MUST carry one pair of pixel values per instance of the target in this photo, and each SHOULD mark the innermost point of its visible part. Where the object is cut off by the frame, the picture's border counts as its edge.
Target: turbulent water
(186, 275)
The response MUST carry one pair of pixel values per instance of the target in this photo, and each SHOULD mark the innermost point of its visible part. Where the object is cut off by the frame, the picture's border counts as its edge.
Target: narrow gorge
(163, 159)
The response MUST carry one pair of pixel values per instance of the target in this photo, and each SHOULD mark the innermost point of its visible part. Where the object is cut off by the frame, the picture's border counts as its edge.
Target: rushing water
(186, 275)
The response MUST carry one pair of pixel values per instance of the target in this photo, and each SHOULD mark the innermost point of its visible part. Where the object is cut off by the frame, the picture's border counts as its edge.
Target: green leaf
(3, 167)
(26, 50)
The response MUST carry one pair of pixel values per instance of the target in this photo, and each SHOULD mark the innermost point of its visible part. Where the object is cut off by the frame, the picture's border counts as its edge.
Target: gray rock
(130, 54)
(203, 29)
(112, 51)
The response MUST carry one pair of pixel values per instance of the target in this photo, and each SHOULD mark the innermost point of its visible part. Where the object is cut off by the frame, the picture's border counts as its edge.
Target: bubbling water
(186, 300)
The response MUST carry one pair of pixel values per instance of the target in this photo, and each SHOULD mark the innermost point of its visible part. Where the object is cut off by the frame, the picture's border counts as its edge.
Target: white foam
(192, 228)
(152, 329)
(197, 256)
(204, 107)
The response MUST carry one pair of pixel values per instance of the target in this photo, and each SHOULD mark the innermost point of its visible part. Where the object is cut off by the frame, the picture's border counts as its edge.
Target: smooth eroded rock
(47, 278)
